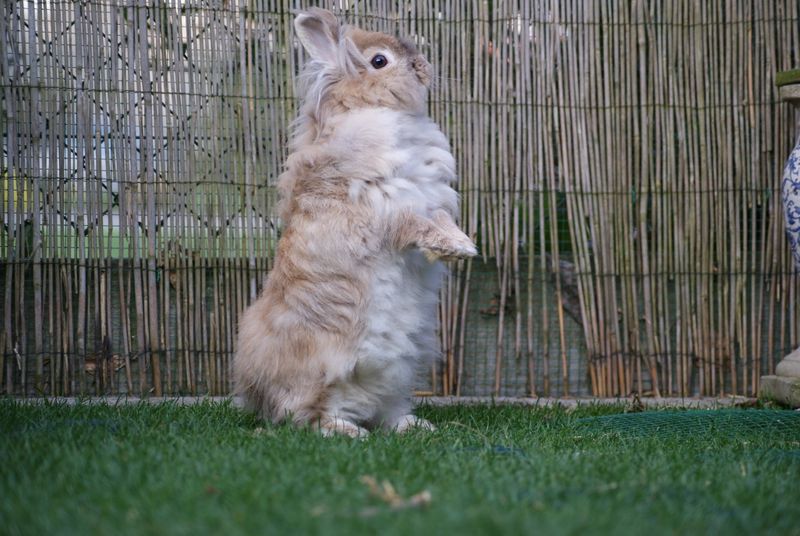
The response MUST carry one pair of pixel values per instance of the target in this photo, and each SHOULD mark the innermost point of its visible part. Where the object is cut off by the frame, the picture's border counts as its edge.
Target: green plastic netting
(729, 422)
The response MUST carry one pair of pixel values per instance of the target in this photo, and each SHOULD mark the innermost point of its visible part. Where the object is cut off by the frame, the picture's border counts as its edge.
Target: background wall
(620, 164)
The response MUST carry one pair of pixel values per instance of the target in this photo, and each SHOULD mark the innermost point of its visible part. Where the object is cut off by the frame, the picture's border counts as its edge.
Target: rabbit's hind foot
(410, 422)
(332, 426)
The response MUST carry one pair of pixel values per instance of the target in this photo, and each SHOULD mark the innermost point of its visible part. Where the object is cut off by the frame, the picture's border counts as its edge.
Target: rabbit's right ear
(318, 31)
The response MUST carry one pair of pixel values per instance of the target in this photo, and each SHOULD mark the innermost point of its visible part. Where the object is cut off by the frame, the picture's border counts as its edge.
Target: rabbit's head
(351, 68)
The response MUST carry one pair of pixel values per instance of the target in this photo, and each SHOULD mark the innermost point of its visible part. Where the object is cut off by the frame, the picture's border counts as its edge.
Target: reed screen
(620, 164)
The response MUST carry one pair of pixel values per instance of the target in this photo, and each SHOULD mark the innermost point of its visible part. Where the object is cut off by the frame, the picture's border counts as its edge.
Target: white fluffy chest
(411, 167)
(396, 160)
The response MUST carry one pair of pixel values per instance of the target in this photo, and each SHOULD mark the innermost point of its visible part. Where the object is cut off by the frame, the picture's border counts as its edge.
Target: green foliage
(785, 78)
(211, 468)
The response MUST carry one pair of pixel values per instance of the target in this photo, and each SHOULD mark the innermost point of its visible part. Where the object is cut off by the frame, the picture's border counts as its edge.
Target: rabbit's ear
(318, 31)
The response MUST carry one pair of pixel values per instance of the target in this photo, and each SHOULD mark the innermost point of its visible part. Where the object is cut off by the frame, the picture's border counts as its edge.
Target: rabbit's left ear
(318, 31)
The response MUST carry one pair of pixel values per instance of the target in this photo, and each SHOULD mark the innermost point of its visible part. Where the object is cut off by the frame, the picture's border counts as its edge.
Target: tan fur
(299, 340)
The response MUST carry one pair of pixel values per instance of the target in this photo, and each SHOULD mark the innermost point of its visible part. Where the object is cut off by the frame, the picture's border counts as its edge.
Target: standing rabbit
(347, 317)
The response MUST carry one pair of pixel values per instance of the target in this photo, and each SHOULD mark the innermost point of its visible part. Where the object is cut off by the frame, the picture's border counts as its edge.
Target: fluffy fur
(347, 314)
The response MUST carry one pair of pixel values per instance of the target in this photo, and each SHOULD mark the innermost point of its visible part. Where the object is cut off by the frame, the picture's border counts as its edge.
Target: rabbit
(347, 316)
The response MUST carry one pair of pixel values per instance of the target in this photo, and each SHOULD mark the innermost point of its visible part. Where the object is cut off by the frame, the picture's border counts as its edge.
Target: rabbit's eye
(379, 61)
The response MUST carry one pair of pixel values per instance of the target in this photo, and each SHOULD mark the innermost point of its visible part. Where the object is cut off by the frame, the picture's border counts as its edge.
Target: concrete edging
(695, 403)
(781, 388)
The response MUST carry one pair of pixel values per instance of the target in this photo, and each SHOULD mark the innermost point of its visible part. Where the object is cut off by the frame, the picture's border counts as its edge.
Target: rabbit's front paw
(465, 248)
(451, 248)
(410, 422)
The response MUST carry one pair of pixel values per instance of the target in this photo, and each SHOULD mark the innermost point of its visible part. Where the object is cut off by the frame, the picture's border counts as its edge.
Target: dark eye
(379, 61)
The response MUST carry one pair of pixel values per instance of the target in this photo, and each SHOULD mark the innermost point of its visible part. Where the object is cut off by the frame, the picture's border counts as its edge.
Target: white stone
(790, 365)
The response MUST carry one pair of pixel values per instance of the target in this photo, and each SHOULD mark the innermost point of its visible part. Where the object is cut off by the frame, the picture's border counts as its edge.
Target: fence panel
(619, 167)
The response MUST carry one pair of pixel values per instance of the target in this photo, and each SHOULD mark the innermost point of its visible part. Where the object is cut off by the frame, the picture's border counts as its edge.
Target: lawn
(214, 469)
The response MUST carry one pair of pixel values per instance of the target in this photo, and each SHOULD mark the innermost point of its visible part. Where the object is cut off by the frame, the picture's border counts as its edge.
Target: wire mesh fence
(619, 168)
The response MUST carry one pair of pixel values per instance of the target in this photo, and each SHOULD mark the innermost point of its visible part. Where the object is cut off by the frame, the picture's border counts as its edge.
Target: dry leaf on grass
(386, 493)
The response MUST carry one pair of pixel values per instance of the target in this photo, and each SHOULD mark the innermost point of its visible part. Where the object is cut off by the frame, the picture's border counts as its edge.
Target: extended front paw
(449, 248)
(449, 242)
(463, 248)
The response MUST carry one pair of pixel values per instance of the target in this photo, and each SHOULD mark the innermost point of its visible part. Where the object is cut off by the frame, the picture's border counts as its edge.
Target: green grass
(211, 468)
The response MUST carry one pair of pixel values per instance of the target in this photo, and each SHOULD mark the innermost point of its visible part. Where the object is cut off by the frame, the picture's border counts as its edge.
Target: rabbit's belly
(399, 336)
(402, 308)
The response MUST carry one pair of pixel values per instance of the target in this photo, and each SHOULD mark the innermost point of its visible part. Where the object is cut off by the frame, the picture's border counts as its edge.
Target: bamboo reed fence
(620, 163)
